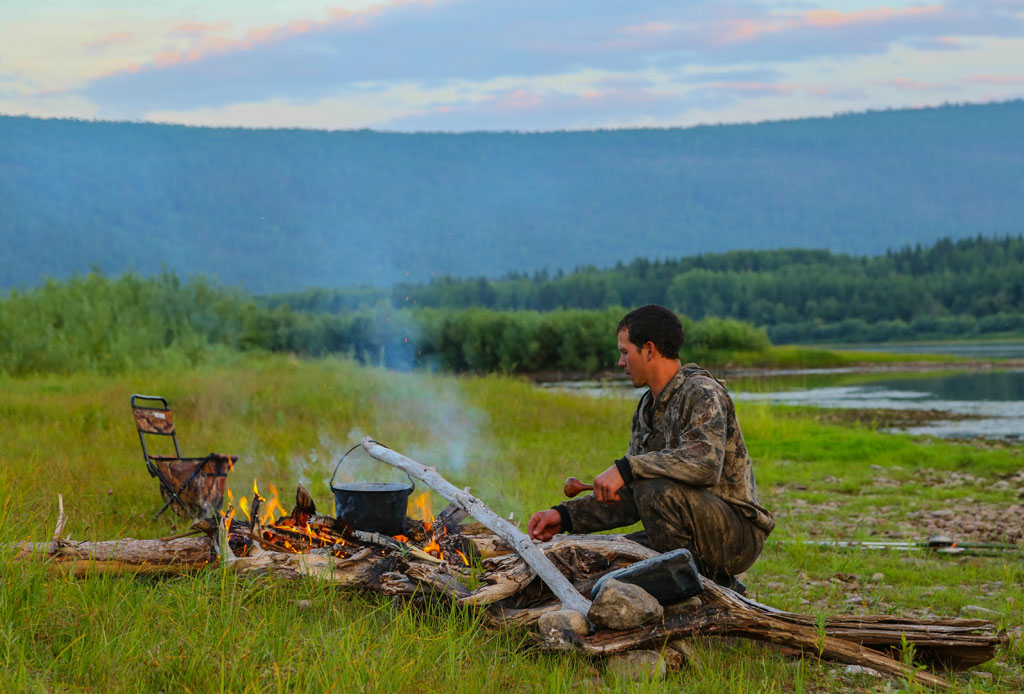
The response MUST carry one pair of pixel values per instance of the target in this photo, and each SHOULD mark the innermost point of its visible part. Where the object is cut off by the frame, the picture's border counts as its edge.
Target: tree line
(109, 325)
(953, 288)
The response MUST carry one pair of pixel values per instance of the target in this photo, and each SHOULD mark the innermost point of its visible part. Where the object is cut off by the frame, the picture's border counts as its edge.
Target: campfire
(554, 587)
(263, 523)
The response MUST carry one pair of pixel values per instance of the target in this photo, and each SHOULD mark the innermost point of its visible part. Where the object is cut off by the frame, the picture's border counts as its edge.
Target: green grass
(513, 444)
(799, 357)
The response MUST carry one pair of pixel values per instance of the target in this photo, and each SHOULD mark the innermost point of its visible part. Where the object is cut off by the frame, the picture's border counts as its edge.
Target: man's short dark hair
(657, 324)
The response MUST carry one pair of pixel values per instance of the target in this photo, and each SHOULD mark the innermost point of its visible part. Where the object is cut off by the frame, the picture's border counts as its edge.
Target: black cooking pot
(371, 506)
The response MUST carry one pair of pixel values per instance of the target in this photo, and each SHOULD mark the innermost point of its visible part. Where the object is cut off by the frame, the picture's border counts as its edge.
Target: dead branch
(559, 585)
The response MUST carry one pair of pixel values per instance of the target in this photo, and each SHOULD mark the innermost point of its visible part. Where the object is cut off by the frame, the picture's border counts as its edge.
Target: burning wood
(441, 559)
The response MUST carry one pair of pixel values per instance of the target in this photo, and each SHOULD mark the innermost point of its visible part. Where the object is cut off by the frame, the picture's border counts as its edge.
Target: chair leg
(174, 494)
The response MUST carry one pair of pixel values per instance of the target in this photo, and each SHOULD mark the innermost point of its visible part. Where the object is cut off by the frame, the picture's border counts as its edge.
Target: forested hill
(964, 288)
(280, 210)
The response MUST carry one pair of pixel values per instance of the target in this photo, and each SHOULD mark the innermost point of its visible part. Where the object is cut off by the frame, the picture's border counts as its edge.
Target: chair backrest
(151, 419)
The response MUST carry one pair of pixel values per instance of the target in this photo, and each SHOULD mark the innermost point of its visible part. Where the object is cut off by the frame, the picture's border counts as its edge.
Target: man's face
(632, 360)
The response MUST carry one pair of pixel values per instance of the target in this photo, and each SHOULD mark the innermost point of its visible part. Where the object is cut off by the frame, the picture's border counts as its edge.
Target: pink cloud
(757, 88)
(834, 18)
(649, 28)
(995, 79)
(108, 40)
(913, 85)
(200, 28)
(754, 87)
(740, 30)
(209, 45)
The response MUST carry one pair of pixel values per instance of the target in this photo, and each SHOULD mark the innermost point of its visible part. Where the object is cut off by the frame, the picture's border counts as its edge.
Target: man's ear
(650, 351)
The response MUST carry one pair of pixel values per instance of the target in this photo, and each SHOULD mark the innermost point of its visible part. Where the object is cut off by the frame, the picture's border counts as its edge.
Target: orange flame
(421, 507)
(462, 557)
(433, 548)
(227, 521)
(270, 510)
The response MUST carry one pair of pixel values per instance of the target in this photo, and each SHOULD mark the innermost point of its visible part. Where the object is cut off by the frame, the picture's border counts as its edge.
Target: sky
(522, 65)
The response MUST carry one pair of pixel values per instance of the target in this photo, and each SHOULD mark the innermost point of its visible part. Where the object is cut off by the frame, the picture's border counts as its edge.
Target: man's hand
(544, 525)
(608, 484)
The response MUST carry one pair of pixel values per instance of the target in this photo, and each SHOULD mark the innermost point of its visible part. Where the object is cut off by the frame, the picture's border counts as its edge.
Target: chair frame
(159, 421)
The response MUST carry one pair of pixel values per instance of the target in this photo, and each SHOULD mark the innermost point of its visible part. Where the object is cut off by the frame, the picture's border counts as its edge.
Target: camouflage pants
(723, 542)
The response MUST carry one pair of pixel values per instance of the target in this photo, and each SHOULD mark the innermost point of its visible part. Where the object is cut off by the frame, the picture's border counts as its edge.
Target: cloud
(115, 38)
(940, 43)
(995, 79)
(438, 42)
(195, 29)
(905, 84)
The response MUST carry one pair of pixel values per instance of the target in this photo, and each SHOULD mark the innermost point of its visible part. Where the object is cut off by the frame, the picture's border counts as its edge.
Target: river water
(991, 399)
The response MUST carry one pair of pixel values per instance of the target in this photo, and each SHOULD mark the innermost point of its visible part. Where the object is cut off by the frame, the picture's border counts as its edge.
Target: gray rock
(635, 666)
(877, 577)
(303, 604)
(861, 670)
(980, 612)
(563, 620)
(685, 607)
(624, 606)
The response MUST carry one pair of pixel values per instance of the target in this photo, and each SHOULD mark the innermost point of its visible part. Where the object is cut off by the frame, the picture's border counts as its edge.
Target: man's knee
(665, 507)
(678, 515)
(661, 497)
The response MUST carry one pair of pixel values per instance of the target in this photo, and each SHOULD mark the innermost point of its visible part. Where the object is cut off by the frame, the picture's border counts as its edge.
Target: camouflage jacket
(690, 434)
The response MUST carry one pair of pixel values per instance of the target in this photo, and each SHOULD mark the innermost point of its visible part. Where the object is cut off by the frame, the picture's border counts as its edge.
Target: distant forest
(285, 210)
(95, 323)
(969, 287)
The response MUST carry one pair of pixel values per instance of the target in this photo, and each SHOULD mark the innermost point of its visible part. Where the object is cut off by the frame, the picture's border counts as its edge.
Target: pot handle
(342, 459)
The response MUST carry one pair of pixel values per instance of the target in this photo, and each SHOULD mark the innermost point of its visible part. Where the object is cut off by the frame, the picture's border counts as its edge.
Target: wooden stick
(121, 556)
(721, 620)
(559, 584)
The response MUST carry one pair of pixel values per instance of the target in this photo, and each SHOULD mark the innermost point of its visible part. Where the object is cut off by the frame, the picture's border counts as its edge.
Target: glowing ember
(433, 548)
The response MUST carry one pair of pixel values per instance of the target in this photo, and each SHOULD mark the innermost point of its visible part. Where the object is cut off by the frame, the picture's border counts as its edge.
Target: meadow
(290, 419)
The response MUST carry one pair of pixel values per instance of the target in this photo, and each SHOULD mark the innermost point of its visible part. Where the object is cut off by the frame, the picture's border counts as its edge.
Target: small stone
(636, 666)
(980, 612)
(941, 513)
(683, 648)
(877, 468)
(624, 606)
(861, 670)
(303, 604)
(686, 606)
(877, 577)
(563, 620)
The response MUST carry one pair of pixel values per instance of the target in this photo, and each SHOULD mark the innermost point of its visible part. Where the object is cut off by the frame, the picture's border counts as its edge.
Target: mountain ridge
(284, 210)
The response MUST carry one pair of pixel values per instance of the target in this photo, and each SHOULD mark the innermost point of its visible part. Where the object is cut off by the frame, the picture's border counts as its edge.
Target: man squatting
(686, 475)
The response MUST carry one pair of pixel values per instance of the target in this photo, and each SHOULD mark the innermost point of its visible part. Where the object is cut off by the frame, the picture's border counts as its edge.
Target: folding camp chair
(191, 487)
